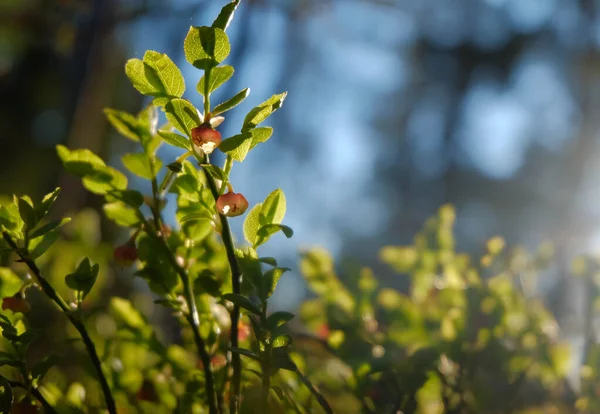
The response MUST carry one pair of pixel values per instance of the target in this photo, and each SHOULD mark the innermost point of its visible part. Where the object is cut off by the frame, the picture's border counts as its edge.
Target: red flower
(126, 254)
(16, 303)
(205, 138)
(232, 204)
(243, 331)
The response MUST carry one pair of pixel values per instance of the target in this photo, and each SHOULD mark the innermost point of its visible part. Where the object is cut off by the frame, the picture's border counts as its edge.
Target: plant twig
(48, 409)
(60, 302)
(236, 287)
(322, 401)
(192, 318)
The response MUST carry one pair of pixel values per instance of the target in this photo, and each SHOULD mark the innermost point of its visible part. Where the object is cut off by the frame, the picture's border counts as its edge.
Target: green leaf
(139, 164)
(251, 224)
(148, 119)
(218, 76)
(273, 208)
(268, 260)
(40, 245)
(245, 352)
(83, 279)
(40, 369)
(130, 197)
(242, 302)
(226, 15)
(166, 72)
(214, 171)
(40, 231)
(277, 319)
(248, 261)
(156, 76)
(27, 213)
(47, 203)
(263, 111)
(281, 341)
(197, 230)
(6, 395)
(232, 102)
(239, 145)
(265, 232)
(121, 214)
(182, 115)
(206, 47)
(270, 280)
(126, 124)
(105, 179)
(124, 311)
(174, 139)
(79, 162)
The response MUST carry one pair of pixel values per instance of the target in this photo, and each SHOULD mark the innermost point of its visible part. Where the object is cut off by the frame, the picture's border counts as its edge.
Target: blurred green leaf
(281, 341)
(242, 302)
(84, 277)
(27, 213)
(270, 280)
(206, 47)
(46, 204)
(218, 76)
(248, 261)
(197, 230)
(232, 102)
(175, 139)
(245, 352)
(277, 319)
(125, 312)
(263, 111)
(130, 197)
(121, 214)
(126, 124)
(41, 244)
(139, 164)
(40, 231)
(6, 395)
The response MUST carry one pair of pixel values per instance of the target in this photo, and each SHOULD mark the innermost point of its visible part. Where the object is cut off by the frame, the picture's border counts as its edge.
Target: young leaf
(105, 179)
(226, 15)
(174, 139)
(84, 277)
(277, 319)
(248, 261)
(238, 146)
(148, 119)
(232, 102)
(182, 115)
(126, 124)
(27, 213)
(40, 231)
(42, 209)
(263, 111)
(273, 208)
(218, 76)
(206, 47)
(130, 197)
(242, 302)
(251, 224)
(268, 260)
(270, 280)
(197, 230)
(139, 164)
(281, 341)
(265, 232)
(40, 245)
(214, 171)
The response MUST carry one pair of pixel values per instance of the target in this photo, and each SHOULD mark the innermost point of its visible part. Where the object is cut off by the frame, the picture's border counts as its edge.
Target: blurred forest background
(394, 108)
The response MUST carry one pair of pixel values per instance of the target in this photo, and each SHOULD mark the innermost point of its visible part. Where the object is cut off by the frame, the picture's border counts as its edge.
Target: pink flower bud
(205, 138)
(16, 303)
(126, 254)
(232, 204)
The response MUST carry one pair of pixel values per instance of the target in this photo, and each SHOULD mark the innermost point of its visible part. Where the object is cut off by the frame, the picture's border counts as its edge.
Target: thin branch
(48, 409)
(60, 302)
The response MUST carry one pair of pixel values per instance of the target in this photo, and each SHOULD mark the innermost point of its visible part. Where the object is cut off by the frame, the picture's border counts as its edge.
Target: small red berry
(126, 254)
(323, 331)
(232, 204)
(205, 138)
(16, 303)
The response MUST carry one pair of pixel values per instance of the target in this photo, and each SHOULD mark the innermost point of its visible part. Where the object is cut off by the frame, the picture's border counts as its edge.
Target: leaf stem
(60, 302)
